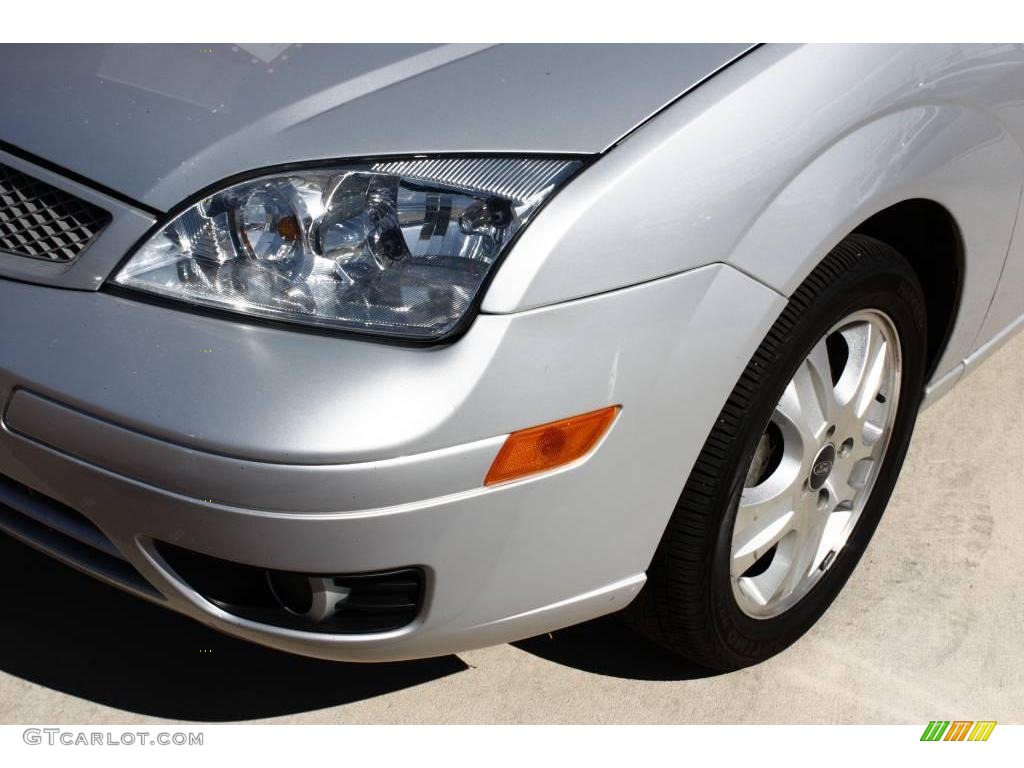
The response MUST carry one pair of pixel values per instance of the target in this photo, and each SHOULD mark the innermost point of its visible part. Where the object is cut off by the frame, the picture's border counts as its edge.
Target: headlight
(392, 248)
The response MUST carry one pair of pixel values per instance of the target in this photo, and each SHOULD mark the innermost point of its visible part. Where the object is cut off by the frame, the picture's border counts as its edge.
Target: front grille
(42, 222)
(67, 535)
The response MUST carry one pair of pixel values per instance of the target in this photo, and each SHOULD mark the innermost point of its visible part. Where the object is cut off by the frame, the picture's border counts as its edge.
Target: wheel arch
(927, 235)
(940, 183)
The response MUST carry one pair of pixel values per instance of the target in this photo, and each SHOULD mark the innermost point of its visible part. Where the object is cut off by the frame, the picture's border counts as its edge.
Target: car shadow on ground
(71, 633)
(607, 646)
(66, 631)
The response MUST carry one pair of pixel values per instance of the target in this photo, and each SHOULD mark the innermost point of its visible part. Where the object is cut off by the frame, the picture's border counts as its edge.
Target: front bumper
(306, 452)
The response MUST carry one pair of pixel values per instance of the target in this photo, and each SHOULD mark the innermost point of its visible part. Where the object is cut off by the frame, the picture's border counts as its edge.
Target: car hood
(158, 123)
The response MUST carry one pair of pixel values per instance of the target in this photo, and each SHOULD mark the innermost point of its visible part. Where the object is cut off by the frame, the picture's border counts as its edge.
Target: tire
(691, 603)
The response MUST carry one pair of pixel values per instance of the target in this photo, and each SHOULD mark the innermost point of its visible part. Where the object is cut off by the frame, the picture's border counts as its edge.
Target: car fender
(766, 168)
(957, 156)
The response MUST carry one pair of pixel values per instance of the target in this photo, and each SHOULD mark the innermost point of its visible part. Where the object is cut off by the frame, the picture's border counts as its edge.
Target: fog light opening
(314, 598)
(344, 603)
(292, 591)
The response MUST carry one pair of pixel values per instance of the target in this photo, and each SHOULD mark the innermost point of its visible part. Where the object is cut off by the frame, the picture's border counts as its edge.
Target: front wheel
(793, 478)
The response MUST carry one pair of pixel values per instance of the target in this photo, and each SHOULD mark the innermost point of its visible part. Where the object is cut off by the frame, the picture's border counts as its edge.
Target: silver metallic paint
(647, 282)
(160, 122)
(105, 252)
(577, 539)
(808, 142)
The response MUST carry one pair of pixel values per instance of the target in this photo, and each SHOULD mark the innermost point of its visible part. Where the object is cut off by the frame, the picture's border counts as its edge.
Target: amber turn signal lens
(539, 449)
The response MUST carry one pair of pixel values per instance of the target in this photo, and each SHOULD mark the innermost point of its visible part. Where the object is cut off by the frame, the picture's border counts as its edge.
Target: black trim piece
(71, 552)
(66, 535)
(53, 514)
(455, 333)
(378, 601)
(241, 320)
(77, 178)
(43, 207)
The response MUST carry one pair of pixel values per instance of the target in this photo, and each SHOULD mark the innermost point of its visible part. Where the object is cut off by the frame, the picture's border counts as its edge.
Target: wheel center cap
(822, 467)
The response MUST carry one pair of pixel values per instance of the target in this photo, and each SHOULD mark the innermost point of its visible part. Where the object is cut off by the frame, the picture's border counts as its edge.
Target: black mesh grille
(43, 222)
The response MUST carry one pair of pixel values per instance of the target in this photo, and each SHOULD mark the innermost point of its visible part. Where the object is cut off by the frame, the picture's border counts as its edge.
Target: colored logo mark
(958, 730)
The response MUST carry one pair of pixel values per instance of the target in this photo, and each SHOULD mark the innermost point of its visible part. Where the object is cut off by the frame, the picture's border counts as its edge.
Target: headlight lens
(392, 248)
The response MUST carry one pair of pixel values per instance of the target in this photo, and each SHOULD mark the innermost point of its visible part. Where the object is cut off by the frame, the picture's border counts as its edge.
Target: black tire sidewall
(896, 292)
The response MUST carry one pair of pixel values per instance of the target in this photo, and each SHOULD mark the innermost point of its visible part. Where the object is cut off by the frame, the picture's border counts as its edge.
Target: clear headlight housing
(398, 248)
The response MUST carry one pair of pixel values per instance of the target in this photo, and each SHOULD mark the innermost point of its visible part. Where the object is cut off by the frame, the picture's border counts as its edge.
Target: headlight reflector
(393, 248)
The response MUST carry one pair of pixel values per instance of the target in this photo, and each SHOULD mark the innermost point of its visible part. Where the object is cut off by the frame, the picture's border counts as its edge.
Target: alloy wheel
(815, 464)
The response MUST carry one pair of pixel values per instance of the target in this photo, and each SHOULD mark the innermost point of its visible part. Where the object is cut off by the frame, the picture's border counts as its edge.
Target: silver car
(382, 352)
